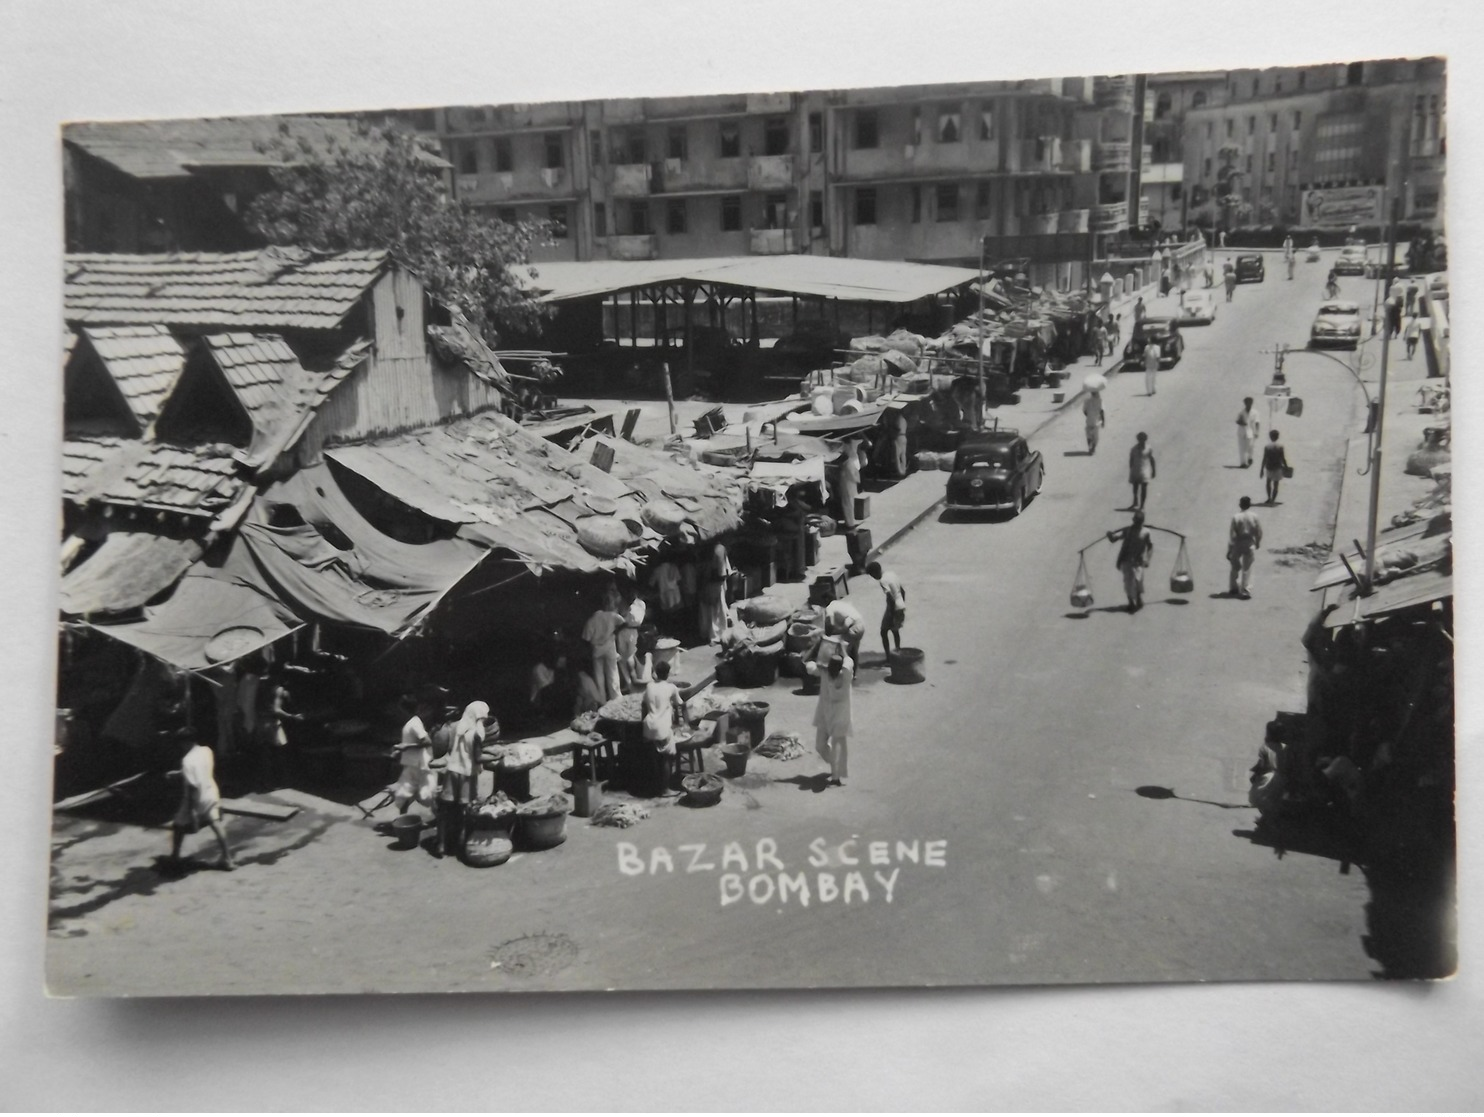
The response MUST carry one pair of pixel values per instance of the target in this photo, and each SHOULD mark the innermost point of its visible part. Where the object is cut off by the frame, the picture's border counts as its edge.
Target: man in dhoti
(1248, 427)
(832, 714)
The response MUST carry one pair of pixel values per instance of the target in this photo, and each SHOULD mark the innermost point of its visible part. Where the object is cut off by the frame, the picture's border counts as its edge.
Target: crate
(863, 506)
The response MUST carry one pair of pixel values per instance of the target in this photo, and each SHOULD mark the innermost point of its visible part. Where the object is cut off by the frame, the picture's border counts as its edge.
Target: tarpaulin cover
(207, 602)
(126, 571)
(1406, 592)
(714, 493)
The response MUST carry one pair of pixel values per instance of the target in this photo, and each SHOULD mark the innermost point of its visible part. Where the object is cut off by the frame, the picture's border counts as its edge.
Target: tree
(384, 188)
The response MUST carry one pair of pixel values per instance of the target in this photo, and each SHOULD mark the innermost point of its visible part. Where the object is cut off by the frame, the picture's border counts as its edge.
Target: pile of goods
(585, 722)
(702, 789)
(620, 815)
(781, 746)
(542, 823)
(488, 842)
(751, 650)
(630, 707)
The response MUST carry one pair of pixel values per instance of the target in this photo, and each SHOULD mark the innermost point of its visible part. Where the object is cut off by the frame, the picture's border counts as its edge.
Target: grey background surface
(1229, 1047)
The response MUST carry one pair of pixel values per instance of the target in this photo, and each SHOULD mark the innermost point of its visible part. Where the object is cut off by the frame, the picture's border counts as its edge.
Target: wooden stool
(597, 755)
(689, 755)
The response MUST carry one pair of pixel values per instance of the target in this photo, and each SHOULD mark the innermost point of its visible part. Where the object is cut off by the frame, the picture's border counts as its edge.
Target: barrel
(906, 665)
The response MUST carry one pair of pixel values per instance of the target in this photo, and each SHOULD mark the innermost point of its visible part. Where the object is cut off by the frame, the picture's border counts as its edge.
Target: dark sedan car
(995, 471)
(1251, 269)
(1165, 331)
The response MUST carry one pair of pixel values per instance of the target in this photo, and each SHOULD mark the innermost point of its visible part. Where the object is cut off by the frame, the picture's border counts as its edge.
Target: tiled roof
(261, 368)
(150, 149)
(80, 458)
(145, 362)
(156, 475)
(271, 289)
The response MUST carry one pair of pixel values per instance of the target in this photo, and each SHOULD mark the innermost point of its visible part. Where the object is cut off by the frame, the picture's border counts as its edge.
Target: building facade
(1168, 99)
(916, 173)
(1320, 145)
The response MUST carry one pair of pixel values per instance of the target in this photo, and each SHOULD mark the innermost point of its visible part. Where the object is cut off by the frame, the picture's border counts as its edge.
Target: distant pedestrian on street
(1275, 465)
(1412, 334)
(895, 614)
(1141, 470)
(1411, 299)
(1115, 331)
(1210, 274)
(1394, 314)
(1139, 310)
(1165, 283)
(1288, 247)
(458, 788)
(1152, 355)
(1222, 238)
(600, 632)
(1229, 281)
(200, 799)
(1289, 263)
(1099, 341)
(1135, 549)
(832, 715)
(1094, 418)
(1243, 540)
(416, 780)
(1248, 427)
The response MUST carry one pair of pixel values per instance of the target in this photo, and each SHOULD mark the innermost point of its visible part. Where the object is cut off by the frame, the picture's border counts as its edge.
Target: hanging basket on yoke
(1081, 586)
(1181, 579)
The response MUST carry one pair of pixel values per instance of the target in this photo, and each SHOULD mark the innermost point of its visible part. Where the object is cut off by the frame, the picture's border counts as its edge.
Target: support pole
(669, 394)
(1375, 507)
(979, 347)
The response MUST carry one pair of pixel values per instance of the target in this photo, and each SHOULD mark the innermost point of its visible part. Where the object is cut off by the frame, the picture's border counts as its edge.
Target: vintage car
(995, 471)
(1250, 268)
(1166, 331)
(1336, 324)
(1351, 261)
(1198, 308)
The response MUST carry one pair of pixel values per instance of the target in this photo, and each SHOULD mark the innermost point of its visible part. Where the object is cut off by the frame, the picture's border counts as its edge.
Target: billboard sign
(1343, 206)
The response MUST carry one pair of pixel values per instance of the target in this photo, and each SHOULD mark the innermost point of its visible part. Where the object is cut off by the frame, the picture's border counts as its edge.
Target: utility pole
(979, 332)
(1368, 582)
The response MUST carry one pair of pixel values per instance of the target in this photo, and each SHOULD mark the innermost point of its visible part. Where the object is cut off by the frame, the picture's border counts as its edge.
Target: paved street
(1072, 788)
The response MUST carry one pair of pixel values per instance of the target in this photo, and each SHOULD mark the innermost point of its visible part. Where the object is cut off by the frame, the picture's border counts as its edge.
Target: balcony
(1146, 156)
(772, 242)
(1073, 220)
(1040, 155)
(634, 246)
(677, 176)
(1076, 156)
(1116, 155)
(1077, 89)
(1039, 224)
(770, 172)
(1115, 93)
(771, 103)
(531, 184)
(1109, 218)
(629, 180)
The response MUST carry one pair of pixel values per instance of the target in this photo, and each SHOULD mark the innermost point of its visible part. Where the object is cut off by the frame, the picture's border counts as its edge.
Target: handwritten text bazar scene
(851, 871)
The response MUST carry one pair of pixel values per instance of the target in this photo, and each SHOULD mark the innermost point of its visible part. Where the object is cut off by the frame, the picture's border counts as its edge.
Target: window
(507, 214)
(595, 146)
(1230, 128)
(1303, 78)
(1210, 129)
(1298, 119)
(866, 136)
(981, 201)
(1198, 99)
(675, 215)
(916, 127)
(916, 204)
(816, 209)
(557, 215)
(731, 213)
(865, 205)
(1251, 125)
(1254, 87)
(816, 131)
(1162, 105)
(1206, 169)
(554, 156)
(639, 219)
(1249, 164)
(600, 219)
(1278, 83)
(1272, 122)
(731, 140)
(468, 160)
(503, 159)
(949, 126)
(775, 135)
(631, 147)
(1272, 161)
(947, 202)
(986, 124)
(775, 211)
(675, 142)
(1355, 73)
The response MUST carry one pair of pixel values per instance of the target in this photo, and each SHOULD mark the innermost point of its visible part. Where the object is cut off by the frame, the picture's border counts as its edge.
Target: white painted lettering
(630, 864)
(888, 882)
(907, 851)
(695, 850)
(880, 853)
(849, 858)
(767, 851)
(828, 890)
(817, 856)
(731, 888)
(760, 895)
(733, 852)
(856, 882)
(935, 853)
(798, 883)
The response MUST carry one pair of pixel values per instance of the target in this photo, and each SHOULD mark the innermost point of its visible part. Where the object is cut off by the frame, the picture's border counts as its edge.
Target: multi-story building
(1321, 145)
(1168, 98)
(917, 173)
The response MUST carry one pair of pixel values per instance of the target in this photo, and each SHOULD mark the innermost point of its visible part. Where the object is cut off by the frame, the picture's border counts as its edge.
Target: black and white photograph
(866, 534)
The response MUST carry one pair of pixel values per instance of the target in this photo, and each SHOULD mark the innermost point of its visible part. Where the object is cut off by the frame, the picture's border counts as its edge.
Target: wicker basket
(702, 789)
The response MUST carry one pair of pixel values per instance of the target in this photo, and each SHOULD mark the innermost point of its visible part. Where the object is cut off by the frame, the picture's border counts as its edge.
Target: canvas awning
(1406, 592)
(130, 568)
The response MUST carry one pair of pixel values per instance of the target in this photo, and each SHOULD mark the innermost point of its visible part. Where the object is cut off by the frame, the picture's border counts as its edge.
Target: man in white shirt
(200, 800)
(896, 605)
(1248, 428)
(599, 632)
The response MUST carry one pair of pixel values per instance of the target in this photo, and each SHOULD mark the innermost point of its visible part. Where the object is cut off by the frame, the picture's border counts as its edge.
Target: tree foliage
(382, 188)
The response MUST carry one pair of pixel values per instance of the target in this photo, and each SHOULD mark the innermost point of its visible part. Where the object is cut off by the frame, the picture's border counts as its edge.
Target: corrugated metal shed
(164, 149)
(144, 361)
(271, 289)
(829, 277)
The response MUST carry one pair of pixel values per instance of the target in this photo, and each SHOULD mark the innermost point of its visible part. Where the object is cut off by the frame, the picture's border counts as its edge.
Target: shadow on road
(1154, 791)
(816, 783)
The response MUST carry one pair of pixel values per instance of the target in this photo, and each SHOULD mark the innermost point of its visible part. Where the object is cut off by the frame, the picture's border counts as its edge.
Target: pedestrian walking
(1229, 281)
(273, 738)
(1152, 356)
(1332, 285)
(1243, 540)
(1289, 263)
(1139, 310)
(1221, 240)
(1275, 465)
(1248, 427)
(1115, 331)
(1094, 419)
(1394, 313)
(1141, 470)
(895, 613)
(1210, 274)
(1135, 549)
(1411, 298)
(1288, 247)
(715, 612)
(1165, 283)
(1099, 341)
(457, 789)
(663, 710)
(626, 639)
(200, 799)
(1412, 334)
(601, 632)
(832, 715)
(416, 780)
